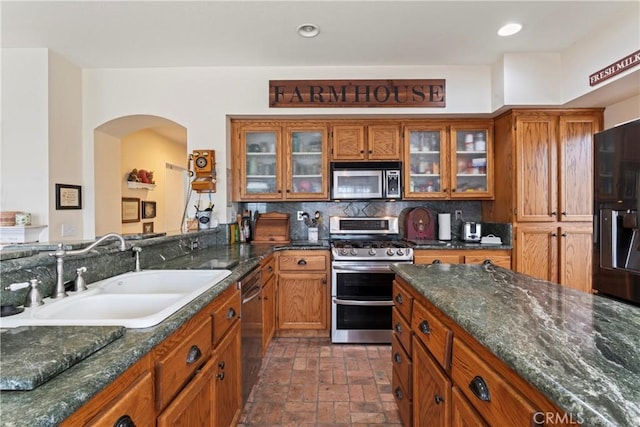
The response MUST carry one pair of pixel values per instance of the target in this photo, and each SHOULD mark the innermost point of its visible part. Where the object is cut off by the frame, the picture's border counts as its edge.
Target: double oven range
(362, 250)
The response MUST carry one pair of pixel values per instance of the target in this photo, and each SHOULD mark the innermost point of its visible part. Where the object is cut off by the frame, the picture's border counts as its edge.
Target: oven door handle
(362, 303)
(251, 295)
(367, 268)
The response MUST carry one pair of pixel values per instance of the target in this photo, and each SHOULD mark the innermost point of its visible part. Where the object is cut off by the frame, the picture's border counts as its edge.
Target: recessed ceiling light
(509, 29)
(308, 30)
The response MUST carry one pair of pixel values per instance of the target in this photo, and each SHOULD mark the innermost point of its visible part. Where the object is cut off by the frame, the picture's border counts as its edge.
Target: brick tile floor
(311, 382)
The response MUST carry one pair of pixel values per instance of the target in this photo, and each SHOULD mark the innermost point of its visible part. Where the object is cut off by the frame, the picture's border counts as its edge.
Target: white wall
(24, 183)
(622, 112)
(65, 143)
(108, 193)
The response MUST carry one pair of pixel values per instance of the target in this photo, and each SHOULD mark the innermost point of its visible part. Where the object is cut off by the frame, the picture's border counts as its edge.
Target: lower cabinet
(193, 406)
(455, 381)
(268, 312)
(303, 292)
(432, 390)
(499, 257)
(227, 403)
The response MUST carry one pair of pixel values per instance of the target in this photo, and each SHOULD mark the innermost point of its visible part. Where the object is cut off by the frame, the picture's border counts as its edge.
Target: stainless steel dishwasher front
(251, 321)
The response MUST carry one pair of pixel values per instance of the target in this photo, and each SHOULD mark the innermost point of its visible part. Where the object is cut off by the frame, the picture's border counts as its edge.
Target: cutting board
(58, 348)
(420, 225)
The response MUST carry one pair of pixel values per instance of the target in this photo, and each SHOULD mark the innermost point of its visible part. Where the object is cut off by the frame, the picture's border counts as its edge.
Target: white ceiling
(124, 34)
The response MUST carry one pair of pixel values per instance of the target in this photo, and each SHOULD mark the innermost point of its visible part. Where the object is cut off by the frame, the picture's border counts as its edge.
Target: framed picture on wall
(147, 227)
(68, 196)
(148, 209)
(130, 209)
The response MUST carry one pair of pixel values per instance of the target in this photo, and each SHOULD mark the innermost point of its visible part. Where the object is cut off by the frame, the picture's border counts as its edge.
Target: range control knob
(390, 252)
(400, 252)
(372, 251)
(354, 251)
(343, 251)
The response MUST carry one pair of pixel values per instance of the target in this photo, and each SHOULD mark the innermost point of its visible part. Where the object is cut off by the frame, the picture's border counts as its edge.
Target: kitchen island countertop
(580, 350)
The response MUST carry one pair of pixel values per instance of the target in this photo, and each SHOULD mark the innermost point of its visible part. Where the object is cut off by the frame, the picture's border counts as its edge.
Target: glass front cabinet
(276, 162)
(448, 162)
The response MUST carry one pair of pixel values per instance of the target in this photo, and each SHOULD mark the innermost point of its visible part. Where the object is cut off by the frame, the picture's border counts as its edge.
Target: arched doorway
(152, 143)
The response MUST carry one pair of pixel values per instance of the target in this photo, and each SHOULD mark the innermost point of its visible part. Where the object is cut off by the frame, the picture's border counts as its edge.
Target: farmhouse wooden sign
(356, 93)
(617, 67)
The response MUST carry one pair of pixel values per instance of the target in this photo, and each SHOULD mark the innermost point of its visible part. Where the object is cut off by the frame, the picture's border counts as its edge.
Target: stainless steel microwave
(366, 180)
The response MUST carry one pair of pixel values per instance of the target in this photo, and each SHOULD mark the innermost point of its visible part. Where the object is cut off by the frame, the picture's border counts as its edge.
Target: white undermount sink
(134, 300)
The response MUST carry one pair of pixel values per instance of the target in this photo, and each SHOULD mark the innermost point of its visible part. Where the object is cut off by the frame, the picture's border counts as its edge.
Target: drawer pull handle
(221, 365)
(487, 262)
(399, 299)
(397, 358)
(479, 387)
(231, 313)
(398, 328)
(220, 376)
(424, 327)
(124, 421)
(436, 261)
(398, 393)
(438, 399)
(302, 262)
(193, 355)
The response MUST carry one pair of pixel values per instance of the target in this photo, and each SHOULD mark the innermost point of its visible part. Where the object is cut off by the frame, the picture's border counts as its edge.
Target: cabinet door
(348, 143)
(462, 413)
(576, 167)
(383, 142)
(536, 160)
(134, 404)
(258, 163)
(426, 172)
(302, 301)
(471, 161)
(268, 312)
(576, 243)
(228, 379)
(193, 406)
(537, 251)
(306, 163)
(431, 390)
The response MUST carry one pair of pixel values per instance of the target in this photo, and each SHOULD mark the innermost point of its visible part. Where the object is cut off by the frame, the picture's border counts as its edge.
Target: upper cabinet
(366, 141)
(448, 161)
(280, 161)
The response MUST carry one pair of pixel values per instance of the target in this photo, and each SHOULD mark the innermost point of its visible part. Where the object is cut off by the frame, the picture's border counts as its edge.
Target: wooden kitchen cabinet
(280, 160)
(401, 352)
(452, 160)
(268, 271)
(432, 390)
(557, 254)
(128, 397)
(451, 370)
(499, 257)
(303, 291)
(227, 358)
(545, 189)
(366, 141)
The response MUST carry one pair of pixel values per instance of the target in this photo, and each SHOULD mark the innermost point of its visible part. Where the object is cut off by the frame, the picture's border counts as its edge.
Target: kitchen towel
(444, 226)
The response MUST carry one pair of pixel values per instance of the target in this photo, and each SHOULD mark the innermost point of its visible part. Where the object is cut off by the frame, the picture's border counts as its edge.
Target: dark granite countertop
(580, 350)
(52, 402)
(456, 244)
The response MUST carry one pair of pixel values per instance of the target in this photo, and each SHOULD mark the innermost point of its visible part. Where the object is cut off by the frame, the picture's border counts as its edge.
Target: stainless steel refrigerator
(616, 249)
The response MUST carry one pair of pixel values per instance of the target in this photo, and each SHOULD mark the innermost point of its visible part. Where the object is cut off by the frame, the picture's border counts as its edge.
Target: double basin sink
(134, 300)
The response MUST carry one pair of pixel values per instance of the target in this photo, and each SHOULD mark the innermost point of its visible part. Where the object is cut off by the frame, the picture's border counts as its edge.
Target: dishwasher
(251, 331)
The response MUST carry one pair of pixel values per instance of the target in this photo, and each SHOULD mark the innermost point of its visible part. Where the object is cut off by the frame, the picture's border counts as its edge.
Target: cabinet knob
(398, 393)
(424, 327)
(302, 262)
(438, 399)
(397, 358)
(288, 190)
(564, 234)
(436, 261)
(480, 389)
(124, 421)
(324, 281)
(221, 365)
(554, 234)
(486, 262)
(231, 313)
(220, 376)
(453, 190)
(361, 151)
(398, 328)
(270, 269)
(564, 214)
(193, 355)
(554, 213)
(399, 299)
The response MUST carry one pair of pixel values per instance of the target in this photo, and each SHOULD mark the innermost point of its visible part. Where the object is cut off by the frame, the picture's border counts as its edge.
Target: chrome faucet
(61, 253)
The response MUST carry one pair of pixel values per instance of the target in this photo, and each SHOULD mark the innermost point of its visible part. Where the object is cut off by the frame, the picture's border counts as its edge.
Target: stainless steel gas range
(362, 249)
